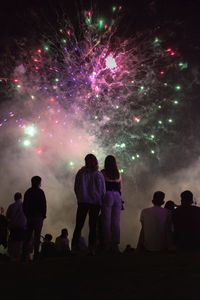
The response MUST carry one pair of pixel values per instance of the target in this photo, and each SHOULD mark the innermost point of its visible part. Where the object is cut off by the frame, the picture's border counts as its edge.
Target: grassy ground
(133, 276)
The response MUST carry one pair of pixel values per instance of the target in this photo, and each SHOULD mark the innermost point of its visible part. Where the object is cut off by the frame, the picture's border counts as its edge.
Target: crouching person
(17, 227)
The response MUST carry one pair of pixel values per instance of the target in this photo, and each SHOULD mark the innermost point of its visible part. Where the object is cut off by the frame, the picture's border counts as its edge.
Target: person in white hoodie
(89, 188)
(17, 226)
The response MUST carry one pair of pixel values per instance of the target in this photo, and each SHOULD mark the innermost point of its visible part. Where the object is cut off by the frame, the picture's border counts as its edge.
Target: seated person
(156, 224)
(170, 205)
(186, 220)
(48, 247)
(62, 243)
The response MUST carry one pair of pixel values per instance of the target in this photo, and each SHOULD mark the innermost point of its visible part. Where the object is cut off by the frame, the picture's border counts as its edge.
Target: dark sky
(16, 17)
(179, 18)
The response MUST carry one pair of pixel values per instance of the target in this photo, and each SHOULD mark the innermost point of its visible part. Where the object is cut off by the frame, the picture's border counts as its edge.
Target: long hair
(110, 167)
(91, 162)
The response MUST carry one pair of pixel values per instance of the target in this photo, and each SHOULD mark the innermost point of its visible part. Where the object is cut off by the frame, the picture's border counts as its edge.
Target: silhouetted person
(156, 224)
(112, 205)
(186, 220)
(3, 228)
(34, 207)
(89, 188)
(170, 205)
(62, 243)
(48, 247)
(17, 226)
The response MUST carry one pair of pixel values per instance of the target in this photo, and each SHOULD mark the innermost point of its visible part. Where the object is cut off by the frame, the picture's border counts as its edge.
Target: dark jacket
(186, 220)
(34, 204)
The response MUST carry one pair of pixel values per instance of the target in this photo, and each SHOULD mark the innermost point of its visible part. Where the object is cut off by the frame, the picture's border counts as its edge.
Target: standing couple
(98, 191)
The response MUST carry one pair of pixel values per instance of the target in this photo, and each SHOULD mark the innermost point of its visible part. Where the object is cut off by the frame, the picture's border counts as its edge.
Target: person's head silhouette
(170, 205)
(91, 162)
(17, 196)
(158, 198)
(48, 237)
(36, 181)
(186, 198)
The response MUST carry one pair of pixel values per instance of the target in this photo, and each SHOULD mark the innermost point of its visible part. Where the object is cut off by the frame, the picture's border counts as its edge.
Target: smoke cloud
(57, 161)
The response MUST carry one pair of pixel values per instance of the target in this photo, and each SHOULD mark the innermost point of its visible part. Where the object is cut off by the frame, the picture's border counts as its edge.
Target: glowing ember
(110, 62)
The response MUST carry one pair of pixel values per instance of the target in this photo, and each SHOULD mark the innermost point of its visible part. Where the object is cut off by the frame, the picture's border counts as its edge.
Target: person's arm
(8, 213)
(140, 244)
(120, 190)
(120, 184)
(77, 184)
(102, 185)
(25, 204)
(68, 248)
(43, 204)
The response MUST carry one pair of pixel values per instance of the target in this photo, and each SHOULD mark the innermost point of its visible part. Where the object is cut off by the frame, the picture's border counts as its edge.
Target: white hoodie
(89, 186)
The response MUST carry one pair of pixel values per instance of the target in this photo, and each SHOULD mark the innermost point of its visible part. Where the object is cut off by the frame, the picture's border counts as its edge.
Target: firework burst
(124, 92)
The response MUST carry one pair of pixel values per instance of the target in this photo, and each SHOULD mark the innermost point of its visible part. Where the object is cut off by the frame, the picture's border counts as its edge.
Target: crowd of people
(98, 195)
(171, 227)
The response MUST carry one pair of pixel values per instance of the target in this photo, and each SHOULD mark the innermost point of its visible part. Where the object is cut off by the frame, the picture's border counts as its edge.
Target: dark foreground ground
(130, 276)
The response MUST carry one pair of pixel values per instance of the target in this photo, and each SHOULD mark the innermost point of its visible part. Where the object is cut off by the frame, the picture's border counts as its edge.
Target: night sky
(17, 18)
(24, 19)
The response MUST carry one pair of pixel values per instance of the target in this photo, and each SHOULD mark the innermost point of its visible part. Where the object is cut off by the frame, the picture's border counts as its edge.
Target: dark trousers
(34, 228)
(82, 211)
(17, 234)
